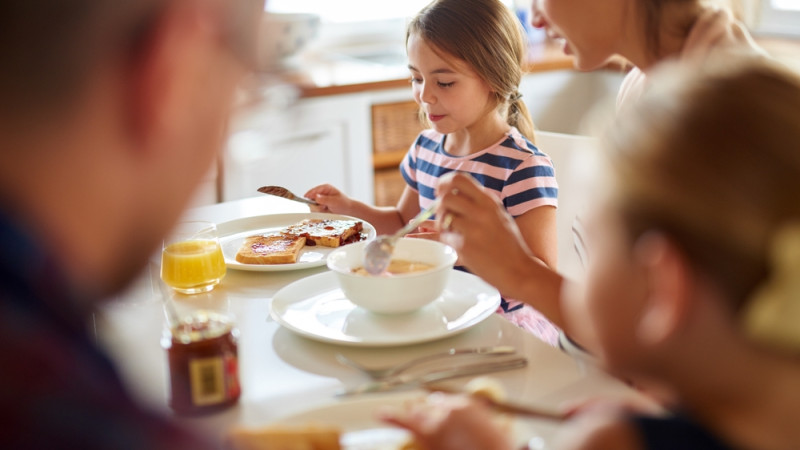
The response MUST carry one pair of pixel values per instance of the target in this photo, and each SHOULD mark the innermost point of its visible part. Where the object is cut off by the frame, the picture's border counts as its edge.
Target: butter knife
(413, 381)
(279, 191)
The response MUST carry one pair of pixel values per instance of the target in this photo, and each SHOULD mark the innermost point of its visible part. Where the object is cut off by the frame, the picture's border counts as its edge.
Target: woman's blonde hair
(712, 160)
(487, 36)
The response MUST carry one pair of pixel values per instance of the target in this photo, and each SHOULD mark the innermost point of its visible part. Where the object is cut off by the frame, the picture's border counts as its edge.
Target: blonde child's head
(489, 38)
(710, 163)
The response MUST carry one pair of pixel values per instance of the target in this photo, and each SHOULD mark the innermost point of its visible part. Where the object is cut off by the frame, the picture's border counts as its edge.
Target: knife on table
(412, 381)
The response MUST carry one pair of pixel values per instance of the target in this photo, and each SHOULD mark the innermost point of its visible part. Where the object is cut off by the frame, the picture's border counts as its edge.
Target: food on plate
(311, 437)
(327, 232)
(486, 387)
(270, 249)
(284, 245)
(398, 267)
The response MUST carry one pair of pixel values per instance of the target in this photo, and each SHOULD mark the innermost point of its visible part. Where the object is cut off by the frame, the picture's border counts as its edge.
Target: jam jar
(203, 363)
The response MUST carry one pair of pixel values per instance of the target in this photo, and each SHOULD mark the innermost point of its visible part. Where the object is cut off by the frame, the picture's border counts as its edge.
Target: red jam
(203, 364)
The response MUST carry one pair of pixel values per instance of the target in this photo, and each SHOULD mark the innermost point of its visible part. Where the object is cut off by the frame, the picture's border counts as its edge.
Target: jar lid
(201, 325)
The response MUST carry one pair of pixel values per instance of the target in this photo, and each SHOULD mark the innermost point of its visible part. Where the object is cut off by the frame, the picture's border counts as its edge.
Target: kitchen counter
(322, 74)
(318, 74)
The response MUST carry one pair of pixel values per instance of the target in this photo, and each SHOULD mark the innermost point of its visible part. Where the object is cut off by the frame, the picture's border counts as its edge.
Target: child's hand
(444, 422)
(330, 199)
(426, 230)
(429, 230)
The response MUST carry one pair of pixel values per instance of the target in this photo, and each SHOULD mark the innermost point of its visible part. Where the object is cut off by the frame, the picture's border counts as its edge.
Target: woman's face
(604, 314)
(592, 30)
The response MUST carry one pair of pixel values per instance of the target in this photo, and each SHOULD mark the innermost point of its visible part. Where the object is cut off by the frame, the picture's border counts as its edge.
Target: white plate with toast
(315, 307)
(357, 420)
(233, 234)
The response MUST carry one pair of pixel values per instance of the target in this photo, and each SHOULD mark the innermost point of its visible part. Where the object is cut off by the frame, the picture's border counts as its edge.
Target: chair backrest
(575, 160)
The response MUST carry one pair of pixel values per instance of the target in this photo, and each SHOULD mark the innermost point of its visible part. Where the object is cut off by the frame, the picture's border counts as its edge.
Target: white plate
(315, 307)
(232, 234)
(361, 429)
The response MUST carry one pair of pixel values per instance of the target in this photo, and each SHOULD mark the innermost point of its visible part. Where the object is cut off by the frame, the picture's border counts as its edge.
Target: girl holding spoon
(465, 59)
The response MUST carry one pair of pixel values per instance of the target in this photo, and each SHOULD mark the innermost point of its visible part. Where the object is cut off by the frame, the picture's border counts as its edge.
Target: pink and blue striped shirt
(513, 169)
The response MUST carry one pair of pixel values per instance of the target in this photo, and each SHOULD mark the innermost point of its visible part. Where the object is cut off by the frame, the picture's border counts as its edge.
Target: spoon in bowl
(378, 253)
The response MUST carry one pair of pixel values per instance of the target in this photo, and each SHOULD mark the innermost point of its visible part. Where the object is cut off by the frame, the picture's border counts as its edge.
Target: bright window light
(355, 10)
(793, 5)
(350, 10)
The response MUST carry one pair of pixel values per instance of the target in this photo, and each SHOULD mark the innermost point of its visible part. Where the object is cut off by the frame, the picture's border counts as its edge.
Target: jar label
(207, 379)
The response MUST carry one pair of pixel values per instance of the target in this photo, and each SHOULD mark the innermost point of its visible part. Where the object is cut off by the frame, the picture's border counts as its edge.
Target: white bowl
(283, 35)
(397, 293)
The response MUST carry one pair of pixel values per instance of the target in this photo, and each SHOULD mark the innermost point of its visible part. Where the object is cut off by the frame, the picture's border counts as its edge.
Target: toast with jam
(326, 232)
(270, 249)
(284, 246)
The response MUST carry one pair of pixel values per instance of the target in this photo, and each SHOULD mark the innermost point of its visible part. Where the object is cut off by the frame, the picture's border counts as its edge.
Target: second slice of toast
(326, 232)
(270, 249)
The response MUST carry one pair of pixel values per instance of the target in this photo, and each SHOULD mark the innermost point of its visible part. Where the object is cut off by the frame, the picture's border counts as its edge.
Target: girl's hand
(485, 236)
(426, 230)
(330, 199)
(444, 422)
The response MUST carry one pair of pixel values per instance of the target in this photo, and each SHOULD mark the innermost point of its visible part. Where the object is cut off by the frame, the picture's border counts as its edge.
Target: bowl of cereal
(417, 275)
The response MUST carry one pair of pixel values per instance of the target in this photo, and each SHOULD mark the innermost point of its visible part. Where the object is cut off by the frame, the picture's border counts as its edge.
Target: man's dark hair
(48, 47)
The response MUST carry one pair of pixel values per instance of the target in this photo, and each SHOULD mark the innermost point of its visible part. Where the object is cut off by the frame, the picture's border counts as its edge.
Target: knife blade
(413, 381)
(282, 192)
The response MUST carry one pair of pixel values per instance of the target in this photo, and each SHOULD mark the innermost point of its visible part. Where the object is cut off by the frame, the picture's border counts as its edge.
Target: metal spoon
(279, 191)
(378, 253)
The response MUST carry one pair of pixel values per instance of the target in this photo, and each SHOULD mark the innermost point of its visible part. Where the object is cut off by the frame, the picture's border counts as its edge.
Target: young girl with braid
(465, 59)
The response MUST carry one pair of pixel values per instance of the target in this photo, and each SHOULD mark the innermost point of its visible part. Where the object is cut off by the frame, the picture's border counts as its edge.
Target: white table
(283, 373)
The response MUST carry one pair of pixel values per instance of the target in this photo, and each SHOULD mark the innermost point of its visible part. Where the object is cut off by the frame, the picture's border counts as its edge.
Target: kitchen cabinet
(314, 141)
(395, 126)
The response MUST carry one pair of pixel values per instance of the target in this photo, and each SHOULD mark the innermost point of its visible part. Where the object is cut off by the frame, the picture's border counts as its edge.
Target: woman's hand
(474, 222)
(330, 199)
(717, 28)
(445, 422)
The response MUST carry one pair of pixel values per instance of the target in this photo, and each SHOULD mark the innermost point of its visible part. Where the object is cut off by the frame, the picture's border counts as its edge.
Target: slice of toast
(270, 249)
(285, 438)
(326, 232)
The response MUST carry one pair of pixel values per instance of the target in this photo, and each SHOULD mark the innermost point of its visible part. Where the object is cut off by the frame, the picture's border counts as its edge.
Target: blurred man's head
(111, 112)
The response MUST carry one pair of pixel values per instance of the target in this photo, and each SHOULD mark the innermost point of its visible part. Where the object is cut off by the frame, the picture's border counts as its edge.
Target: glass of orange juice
(191, 260)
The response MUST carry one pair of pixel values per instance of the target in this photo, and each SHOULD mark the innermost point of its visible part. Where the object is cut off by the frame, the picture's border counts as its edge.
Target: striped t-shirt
(513, 169)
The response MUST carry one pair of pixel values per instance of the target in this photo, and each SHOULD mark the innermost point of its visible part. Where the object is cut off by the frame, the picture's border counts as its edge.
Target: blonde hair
(487, 36)
(712, 161)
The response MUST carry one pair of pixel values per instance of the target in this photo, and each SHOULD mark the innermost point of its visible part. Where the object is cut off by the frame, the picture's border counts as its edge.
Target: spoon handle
(424, 215)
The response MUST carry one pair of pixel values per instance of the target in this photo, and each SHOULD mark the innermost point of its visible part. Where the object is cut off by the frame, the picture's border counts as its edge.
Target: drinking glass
(191, 259)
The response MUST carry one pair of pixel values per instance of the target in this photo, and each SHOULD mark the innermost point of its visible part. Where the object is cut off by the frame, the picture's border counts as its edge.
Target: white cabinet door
(297, 161)
(315, 141)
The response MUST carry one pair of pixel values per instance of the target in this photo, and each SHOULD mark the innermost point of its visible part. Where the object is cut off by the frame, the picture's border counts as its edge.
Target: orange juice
(192, 266)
